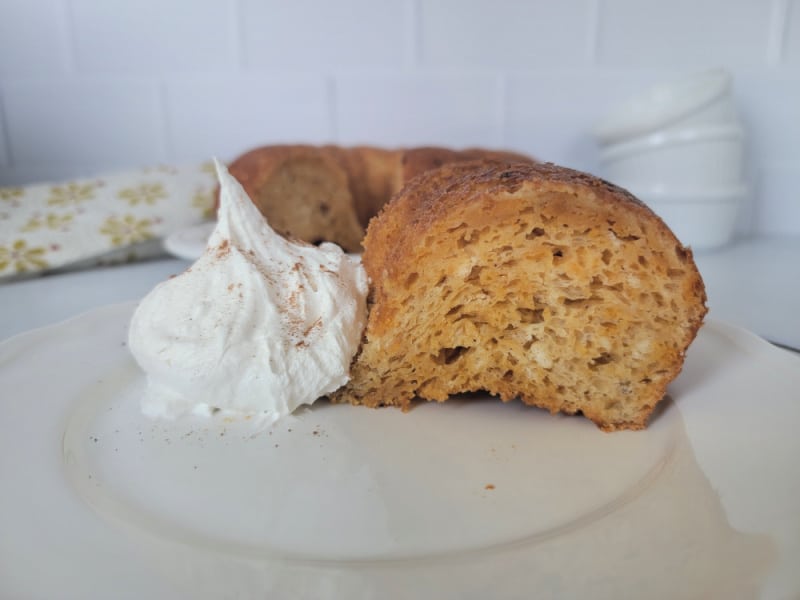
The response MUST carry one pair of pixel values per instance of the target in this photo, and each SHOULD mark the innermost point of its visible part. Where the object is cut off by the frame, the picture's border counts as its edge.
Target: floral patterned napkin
(89, 222)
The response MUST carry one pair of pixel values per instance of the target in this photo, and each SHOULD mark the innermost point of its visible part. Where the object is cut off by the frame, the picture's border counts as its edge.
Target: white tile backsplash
(83, 122)
(310, 34)
(540, 115)
(777, 210)
(221, 117)
(151, 35)
(770, 105)
(538, 33)
(88, 85)
(417, 109)
(32, 37)
(687, 33)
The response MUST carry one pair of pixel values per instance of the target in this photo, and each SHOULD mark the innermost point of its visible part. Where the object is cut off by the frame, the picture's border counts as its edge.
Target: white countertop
(754, 284)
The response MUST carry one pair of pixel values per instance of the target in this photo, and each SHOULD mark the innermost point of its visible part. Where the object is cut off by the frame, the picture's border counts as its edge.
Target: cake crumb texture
(525, 280)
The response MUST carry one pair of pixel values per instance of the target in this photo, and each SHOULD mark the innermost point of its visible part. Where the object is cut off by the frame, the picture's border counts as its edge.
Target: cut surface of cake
(525, 280)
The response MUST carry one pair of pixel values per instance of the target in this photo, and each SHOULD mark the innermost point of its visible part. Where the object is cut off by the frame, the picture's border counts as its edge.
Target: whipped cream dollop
(259, 325)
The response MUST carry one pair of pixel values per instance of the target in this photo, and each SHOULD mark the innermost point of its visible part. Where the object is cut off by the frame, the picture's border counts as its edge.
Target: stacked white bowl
(679, 147)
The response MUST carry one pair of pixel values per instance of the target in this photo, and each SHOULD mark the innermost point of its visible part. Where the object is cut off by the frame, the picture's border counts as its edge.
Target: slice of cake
(525, 280)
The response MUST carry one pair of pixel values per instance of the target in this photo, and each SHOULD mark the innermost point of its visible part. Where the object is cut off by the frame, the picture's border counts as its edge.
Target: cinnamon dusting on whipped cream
(258, 326)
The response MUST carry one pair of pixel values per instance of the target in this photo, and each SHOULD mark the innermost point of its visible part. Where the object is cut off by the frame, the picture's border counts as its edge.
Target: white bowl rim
(661, 104)
(673, 138)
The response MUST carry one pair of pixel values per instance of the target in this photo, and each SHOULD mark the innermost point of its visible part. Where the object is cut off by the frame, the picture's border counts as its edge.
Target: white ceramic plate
(189, 243)
(471, 498)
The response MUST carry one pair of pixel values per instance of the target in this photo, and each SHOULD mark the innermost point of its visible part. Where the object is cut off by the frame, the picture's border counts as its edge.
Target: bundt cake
(329, 193)
(524, 280)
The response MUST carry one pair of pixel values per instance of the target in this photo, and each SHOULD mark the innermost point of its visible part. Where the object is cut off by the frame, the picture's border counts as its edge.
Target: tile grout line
(776, 32)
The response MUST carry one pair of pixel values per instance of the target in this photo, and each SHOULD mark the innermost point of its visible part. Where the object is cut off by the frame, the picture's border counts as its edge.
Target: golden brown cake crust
(426, 198)
(525, 280)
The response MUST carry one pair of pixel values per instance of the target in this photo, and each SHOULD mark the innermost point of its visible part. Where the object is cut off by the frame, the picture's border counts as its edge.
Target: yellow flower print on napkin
(101, 219)
(52, 221)
(127, 230)
(21, 257)
(71, 194)
(209, 168)
(203, 200)
(145, 193)
(11, 194)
